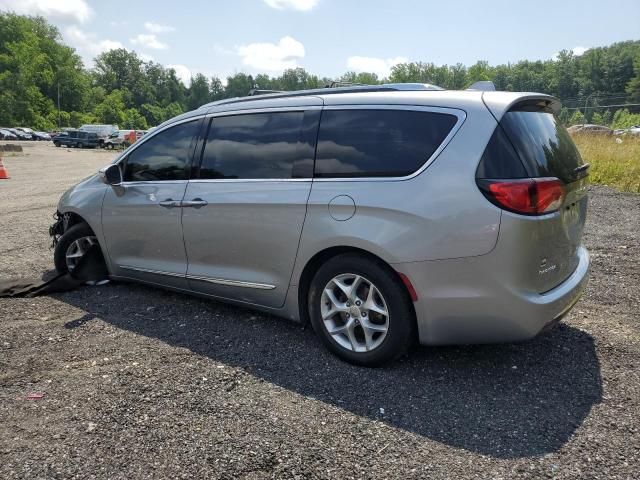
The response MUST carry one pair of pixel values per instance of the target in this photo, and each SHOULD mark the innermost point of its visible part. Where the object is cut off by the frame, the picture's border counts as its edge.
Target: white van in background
(103, 131)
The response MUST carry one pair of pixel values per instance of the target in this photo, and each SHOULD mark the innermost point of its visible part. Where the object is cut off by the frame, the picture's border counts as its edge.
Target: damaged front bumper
(58, 228)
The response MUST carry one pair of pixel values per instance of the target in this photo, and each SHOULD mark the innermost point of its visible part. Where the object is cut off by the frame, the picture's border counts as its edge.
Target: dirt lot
(142, 383)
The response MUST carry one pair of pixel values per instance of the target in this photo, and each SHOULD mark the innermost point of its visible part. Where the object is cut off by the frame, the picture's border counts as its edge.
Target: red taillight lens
(528, 196)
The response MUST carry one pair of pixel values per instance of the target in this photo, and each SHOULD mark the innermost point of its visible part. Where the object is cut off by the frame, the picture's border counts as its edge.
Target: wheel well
(323, 256)
(71, 219)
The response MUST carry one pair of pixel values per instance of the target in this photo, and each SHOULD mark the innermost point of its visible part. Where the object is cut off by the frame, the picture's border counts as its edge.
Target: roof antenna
(483, 86)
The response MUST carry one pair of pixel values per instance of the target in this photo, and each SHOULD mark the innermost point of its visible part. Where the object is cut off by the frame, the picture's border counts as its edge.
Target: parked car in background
(6, 134)
(117, 139)
(635, 130)
(102, 131)
(76, 138)
(382, 215)
(41, 136)
(591, 129)
(28, 131)
(20, 134)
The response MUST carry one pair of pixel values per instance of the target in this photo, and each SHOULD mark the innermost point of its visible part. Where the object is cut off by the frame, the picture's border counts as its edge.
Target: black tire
(401, 324)
(79, 145)
(75, 232)
(57, 144)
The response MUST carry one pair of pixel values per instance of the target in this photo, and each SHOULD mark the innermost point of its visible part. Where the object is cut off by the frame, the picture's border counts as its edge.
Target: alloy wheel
(354, 312)
(77, 249)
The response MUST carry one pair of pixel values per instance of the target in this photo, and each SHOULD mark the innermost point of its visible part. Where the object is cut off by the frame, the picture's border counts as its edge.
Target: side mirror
(111, 174)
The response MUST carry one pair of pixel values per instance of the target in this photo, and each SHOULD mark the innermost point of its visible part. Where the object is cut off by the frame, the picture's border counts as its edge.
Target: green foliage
(124, 89)
(624, 119)
(577, 118)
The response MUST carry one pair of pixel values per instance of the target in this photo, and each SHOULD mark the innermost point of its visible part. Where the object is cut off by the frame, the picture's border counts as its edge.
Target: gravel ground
(141, 383)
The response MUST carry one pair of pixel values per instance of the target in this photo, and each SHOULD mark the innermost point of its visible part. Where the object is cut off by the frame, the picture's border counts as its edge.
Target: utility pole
(58, 105)
(585, 107)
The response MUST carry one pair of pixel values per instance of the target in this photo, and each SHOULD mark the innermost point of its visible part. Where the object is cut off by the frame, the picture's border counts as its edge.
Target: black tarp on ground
(90, 268)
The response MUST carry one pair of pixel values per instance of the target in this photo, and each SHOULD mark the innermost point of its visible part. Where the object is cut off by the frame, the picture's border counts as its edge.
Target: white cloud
(183, 73)
(158, 28)
(379, 66)
(65, 10)
(272, 57)
(303, 5)
(577, 51)
(149, 40)
(87, 44)
(145, 57)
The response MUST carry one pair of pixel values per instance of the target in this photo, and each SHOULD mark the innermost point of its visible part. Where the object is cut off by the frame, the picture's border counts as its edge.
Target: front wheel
(361, 310)
(79, 145)
(57, 144)
(72, 246)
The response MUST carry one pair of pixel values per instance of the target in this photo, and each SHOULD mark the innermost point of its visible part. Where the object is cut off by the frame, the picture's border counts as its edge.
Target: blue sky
(330, 37)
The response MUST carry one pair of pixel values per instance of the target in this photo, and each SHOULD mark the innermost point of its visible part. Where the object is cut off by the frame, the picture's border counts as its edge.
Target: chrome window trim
(249, 180)
(152, 182)
(217, 281)
(233, 113)
(461, 115)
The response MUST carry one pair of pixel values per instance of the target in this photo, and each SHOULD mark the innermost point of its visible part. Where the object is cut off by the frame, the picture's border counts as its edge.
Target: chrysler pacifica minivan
(381, 215)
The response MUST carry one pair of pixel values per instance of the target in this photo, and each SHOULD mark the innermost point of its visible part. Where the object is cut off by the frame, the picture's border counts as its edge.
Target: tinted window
(542, 143)
(261, 145)
(500, 159)
(367, 143)
(164, 156)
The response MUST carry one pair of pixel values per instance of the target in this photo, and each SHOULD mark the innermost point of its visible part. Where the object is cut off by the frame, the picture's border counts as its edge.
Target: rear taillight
(528, 196)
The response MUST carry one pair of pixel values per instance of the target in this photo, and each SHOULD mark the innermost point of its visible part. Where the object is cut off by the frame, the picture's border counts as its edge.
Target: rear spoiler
(500, 103)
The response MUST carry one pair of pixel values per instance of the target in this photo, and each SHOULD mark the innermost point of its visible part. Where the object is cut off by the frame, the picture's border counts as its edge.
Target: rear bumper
(463, 301)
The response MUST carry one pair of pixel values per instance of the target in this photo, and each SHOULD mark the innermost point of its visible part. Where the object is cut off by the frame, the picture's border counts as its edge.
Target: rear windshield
(542, 143)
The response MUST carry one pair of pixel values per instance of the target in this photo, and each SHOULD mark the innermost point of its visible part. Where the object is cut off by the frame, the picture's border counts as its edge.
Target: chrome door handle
(168, 203)
(195, 203)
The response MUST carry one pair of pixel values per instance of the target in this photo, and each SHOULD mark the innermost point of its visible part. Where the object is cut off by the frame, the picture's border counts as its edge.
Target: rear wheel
(57, 144)
(79, 145)
(72, 245)
(360, 310)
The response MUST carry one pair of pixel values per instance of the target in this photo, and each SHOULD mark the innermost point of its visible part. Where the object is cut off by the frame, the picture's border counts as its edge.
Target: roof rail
(337, 83)
(257, 91)
(266, 95)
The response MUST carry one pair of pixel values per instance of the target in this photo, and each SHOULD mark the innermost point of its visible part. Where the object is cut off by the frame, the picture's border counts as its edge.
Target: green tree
(238, 85)
(112, 108)
(198, 93)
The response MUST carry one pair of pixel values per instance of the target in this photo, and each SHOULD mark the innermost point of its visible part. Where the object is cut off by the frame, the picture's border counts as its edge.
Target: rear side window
(542, 143)
(500, 160)
(273, 145)
(164, 156)
(378, 143)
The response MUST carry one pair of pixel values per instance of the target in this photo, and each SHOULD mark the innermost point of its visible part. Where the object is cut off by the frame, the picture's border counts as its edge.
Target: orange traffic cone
(3, 171)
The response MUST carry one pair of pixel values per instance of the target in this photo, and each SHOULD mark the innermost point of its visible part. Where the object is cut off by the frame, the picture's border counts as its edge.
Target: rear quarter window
(378, 143)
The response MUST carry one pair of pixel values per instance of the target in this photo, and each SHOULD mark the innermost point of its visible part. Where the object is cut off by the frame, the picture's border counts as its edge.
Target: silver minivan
(381, 215)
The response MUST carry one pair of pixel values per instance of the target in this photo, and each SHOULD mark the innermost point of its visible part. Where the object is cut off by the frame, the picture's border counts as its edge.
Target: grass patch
(614, 164)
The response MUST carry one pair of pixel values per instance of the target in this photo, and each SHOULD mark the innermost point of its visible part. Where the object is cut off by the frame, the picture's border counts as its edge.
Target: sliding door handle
(195, 203)
(168, 203)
